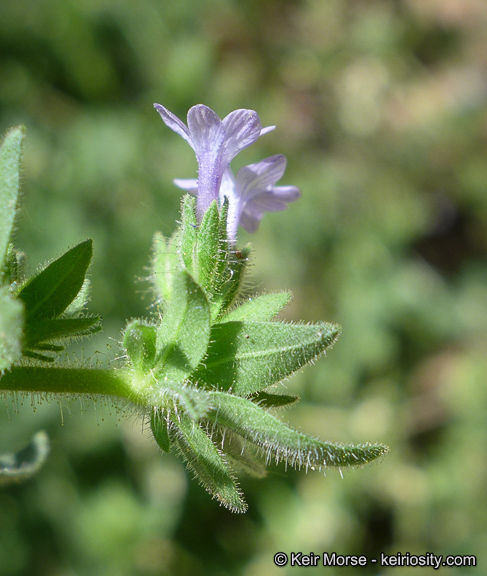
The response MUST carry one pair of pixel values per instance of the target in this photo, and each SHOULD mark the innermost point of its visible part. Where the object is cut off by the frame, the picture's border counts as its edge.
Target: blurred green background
(381, 109)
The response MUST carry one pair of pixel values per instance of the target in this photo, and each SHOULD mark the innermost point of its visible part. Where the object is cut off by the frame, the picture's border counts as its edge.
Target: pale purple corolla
(251, 193)
(216, 142)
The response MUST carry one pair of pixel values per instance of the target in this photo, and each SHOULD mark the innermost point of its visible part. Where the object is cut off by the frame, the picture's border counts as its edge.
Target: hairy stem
(75, 381)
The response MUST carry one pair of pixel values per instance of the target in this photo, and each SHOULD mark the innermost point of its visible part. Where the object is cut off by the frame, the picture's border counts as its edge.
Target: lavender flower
(216, 142)
(251, 193)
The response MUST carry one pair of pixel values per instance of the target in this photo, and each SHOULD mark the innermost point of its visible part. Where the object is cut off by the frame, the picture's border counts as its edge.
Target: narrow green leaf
(10, 164)
(166, 261)
(281, 442)
(160, 430)
(238, 260)
(205, 461)
(25, 463)
(37, 331)
(189, 232)
(247, 357)
(207, 248)
(222, 272)
(11, 323)
(259, 308)
(184, 332)
(50, 292)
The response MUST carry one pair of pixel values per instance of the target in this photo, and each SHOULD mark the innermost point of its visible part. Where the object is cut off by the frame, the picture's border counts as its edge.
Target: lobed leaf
(247, 357)
(281, 442)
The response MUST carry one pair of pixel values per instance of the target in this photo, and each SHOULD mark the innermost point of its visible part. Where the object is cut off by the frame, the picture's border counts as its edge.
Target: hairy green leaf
(204, 459)
(247, 357)
(281, 442)
(139, 341)
(228, 292)
(259, 308)
(172, 396)
(221, 270)
(184, 332)
(49, 293)
(10, 164)
(165, 263)
(59, 328)
(208, 245)
(189, 232)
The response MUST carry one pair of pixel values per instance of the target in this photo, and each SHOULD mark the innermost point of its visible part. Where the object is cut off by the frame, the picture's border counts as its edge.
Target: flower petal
(242, 128)
(259, 176)
(272, 200)
(249, 222)
(208, 136)
(173, 122)
(206, 130)
(188, 184)
(267, 129)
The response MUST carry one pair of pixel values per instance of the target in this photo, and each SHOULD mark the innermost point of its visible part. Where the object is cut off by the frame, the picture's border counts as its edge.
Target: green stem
(75, 381)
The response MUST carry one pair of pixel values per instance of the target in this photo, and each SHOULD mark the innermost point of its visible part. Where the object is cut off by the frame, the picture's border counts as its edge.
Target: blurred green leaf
(10, 165)
(11, 324)
(25, 463)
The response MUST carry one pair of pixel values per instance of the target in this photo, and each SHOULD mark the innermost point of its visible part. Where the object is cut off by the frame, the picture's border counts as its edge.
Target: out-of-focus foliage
(381, 110)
